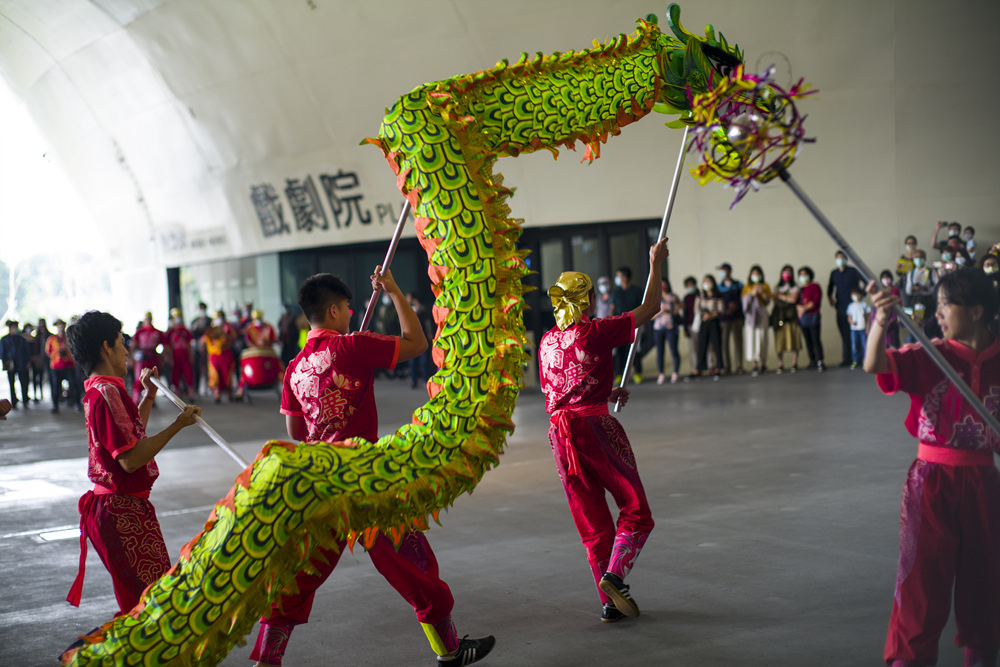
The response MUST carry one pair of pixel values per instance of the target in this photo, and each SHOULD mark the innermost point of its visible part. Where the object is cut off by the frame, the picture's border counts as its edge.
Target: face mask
(755, 278)
(967, 237)
(960, 260)
(803, 279)
(706, 286)
(841, 262)
(618, 281)
(602, 288)
(910, 247)
(785, 275)
(177, 321)
(692, 290)
(256, 323)
(946, 257)
(855, 298)
(217, 321)
(887, 281)
(990, 268)
(720, 275)
(202, 312)
(952, 233)
(918, 261)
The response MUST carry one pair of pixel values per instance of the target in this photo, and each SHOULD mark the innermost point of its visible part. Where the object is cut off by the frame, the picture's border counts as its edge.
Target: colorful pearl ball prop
(747, 130)
(743, 130)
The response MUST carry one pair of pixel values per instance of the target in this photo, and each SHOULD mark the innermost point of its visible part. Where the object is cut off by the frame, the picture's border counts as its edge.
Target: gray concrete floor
(776, 500)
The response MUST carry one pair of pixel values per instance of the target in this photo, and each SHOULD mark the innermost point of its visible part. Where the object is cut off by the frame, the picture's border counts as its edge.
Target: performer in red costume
(592, 452)
(62, 367)
(328, 395)
(179, 340)
(259, 333)
(949, 533)
(116, 516)
(147, 338)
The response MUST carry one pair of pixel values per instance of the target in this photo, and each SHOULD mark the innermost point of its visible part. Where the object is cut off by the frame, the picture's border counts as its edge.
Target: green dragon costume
(441, 140)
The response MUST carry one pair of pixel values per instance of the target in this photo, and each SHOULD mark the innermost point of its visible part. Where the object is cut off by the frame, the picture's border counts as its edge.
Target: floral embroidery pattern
(129, 427)
(139, 535)
(324, 394)
(618, 440)
(566, 366)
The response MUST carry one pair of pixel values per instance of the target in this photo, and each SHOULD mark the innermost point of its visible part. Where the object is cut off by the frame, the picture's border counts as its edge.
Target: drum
(259, 367)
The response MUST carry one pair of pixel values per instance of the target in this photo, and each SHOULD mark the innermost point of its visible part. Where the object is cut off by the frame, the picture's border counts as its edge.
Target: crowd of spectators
(729, 324)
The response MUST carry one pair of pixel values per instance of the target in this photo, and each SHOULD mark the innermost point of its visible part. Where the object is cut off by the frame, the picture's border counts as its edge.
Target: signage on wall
(328, 203)
(178, 243)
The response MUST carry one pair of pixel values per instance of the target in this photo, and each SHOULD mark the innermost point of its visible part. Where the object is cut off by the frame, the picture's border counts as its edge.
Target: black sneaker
(617, 590)
(611, 614)
(468, 652)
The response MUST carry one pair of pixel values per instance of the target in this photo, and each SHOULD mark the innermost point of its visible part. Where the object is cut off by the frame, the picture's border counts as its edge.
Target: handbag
(782, 312)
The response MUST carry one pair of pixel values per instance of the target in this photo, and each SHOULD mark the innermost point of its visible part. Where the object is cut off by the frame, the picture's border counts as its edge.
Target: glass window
(552, 262)
(626, 251)
(586, 255)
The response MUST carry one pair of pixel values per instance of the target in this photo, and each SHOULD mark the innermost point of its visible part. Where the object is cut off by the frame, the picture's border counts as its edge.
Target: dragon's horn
(674, 21)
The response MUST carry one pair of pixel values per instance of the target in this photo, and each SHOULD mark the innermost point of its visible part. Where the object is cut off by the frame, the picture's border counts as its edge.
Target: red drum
(259, 368)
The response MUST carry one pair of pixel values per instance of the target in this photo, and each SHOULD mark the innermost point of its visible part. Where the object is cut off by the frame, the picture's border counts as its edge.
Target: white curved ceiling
(166, 113)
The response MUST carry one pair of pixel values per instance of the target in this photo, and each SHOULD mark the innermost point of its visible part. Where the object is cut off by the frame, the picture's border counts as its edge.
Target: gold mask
(570, 297)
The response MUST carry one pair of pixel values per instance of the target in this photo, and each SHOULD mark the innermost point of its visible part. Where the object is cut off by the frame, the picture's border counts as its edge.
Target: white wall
(166, 113)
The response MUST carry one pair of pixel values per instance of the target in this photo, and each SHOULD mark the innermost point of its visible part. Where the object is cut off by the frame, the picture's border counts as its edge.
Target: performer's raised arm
(650, 305)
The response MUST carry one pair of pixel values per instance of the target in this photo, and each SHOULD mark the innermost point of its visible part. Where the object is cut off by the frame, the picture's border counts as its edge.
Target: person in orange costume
(218, 341)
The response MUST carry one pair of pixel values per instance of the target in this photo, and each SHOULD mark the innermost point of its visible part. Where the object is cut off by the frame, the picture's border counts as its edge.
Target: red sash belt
(86, 503)
(955, 457)
(561, 418)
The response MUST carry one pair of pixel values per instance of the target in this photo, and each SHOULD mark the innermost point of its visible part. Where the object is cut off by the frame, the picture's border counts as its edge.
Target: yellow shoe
(617, 382)
(636, 378)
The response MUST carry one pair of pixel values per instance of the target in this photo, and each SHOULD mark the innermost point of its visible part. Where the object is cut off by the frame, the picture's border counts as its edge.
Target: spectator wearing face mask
(603, 305)
(785, 319)
(904, 265)
(858, 313)
(990, 264)
(690, 332)
(952, 259)
(731, 319)
(920, 285)
(954, 239)
(625, 298)
(843, 280)
(708, 308)
(892, 324)
(810, 298)
(666, 326)
(756, 299)
(969, 236)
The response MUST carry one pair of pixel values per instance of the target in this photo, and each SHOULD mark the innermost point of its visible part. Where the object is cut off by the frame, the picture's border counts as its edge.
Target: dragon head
(689, 64)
